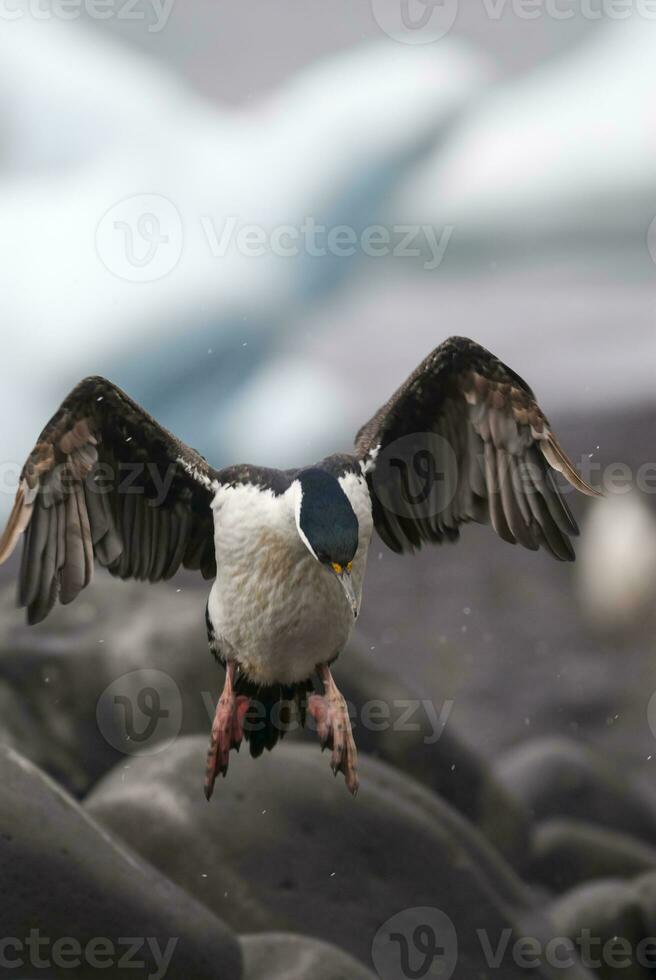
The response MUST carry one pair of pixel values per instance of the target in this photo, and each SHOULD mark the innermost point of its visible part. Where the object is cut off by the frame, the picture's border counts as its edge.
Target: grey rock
(285, 956)
(557, 777)
(282, 846)
(66, 877)
(432, 752)
(604, 919)
(21, 729)
(115, 629)
(568, 852)
(645, 889)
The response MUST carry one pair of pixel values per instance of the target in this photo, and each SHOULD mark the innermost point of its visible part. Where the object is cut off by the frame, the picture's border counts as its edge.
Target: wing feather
(127, 505)
(85, 533)
(519, 529)
(141, 571)
(73, 503)
(73, 570)
(39, 535)
(155, 534)
(99, 517)
(135, 539)
(163, 546)
(493, 456)
(46, 593)
(497, 513)
(177, 544)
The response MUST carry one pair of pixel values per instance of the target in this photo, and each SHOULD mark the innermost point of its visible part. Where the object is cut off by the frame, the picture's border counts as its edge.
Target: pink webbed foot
(227, 730)
(331, 717)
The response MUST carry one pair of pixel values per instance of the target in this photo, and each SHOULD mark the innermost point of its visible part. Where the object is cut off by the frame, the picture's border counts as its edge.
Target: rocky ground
(506, 801)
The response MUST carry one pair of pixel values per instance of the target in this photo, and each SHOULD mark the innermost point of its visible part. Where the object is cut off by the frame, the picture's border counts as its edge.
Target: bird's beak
(346, 582)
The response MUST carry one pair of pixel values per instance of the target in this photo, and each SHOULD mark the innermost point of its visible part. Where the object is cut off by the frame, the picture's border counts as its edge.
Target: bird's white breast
(275, 609)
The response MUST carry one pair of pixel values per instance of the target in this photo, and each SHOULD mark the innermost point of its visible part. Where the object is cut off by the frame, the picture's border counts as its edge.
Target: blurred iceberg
(565, 153)
(92, 132)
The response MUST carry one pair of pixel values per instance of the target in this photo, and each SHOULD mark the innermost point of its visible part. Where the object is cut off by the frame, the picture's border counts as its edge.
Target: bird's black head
(325, 519)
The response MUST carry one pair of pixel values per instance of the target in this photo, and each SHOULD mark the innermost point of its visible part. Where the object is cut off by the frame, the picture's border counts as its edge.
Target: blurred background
(257, 219)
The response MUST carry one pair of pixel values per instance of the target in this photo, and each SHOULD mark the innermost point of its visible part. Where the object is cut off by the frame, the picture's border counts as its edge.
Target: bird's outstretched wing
(465, 440)
(104, 480)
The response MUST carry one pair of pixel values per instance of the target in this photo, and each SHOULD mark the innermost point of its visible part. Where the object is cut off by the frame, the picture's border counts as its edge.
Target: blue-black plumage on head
(326, 519)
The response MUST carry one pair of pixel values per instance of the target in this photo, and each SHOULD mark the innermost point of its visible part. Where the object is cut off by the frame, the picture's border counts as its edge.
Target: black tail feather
(271, 711)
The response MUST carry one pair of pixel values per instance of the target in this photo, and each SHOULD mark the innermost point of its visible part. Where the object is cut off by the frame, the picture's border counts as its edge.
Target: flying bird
(463, 439)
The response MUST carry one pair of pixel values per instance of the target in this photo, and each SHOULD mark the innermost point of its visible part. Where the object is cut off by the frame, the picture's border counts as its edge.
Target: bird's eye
(337, 568)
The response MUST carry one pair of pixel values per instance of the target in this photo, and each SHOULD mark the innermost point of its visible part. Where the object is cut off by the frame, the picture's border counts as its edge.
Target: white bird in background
(616, 571)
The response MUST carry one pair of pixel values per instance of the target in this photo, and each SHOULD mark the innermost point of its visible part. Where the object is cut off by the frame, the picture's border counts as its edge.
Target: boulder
(421, 741)
(118, 640)
(557, 777)
(283, 847)
(285, 956)
(604, 920)
(645, 888)
(71, 893)
(565, 853)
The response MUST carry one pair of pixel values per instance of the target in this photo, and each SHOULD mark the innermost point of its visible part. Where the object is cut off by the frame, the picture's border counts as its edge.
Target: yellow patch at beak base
(340, 569)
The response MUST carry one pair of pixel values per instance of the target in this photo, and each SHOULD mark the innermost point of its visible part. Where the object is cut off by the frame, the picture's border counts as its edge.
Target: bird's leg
(227, 729)
(331, 716)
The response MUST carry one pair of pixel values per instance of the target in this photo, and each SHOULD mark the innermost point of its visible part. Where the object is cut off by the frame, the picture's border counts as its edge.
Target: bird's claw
(227, 733)
(333, 726)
